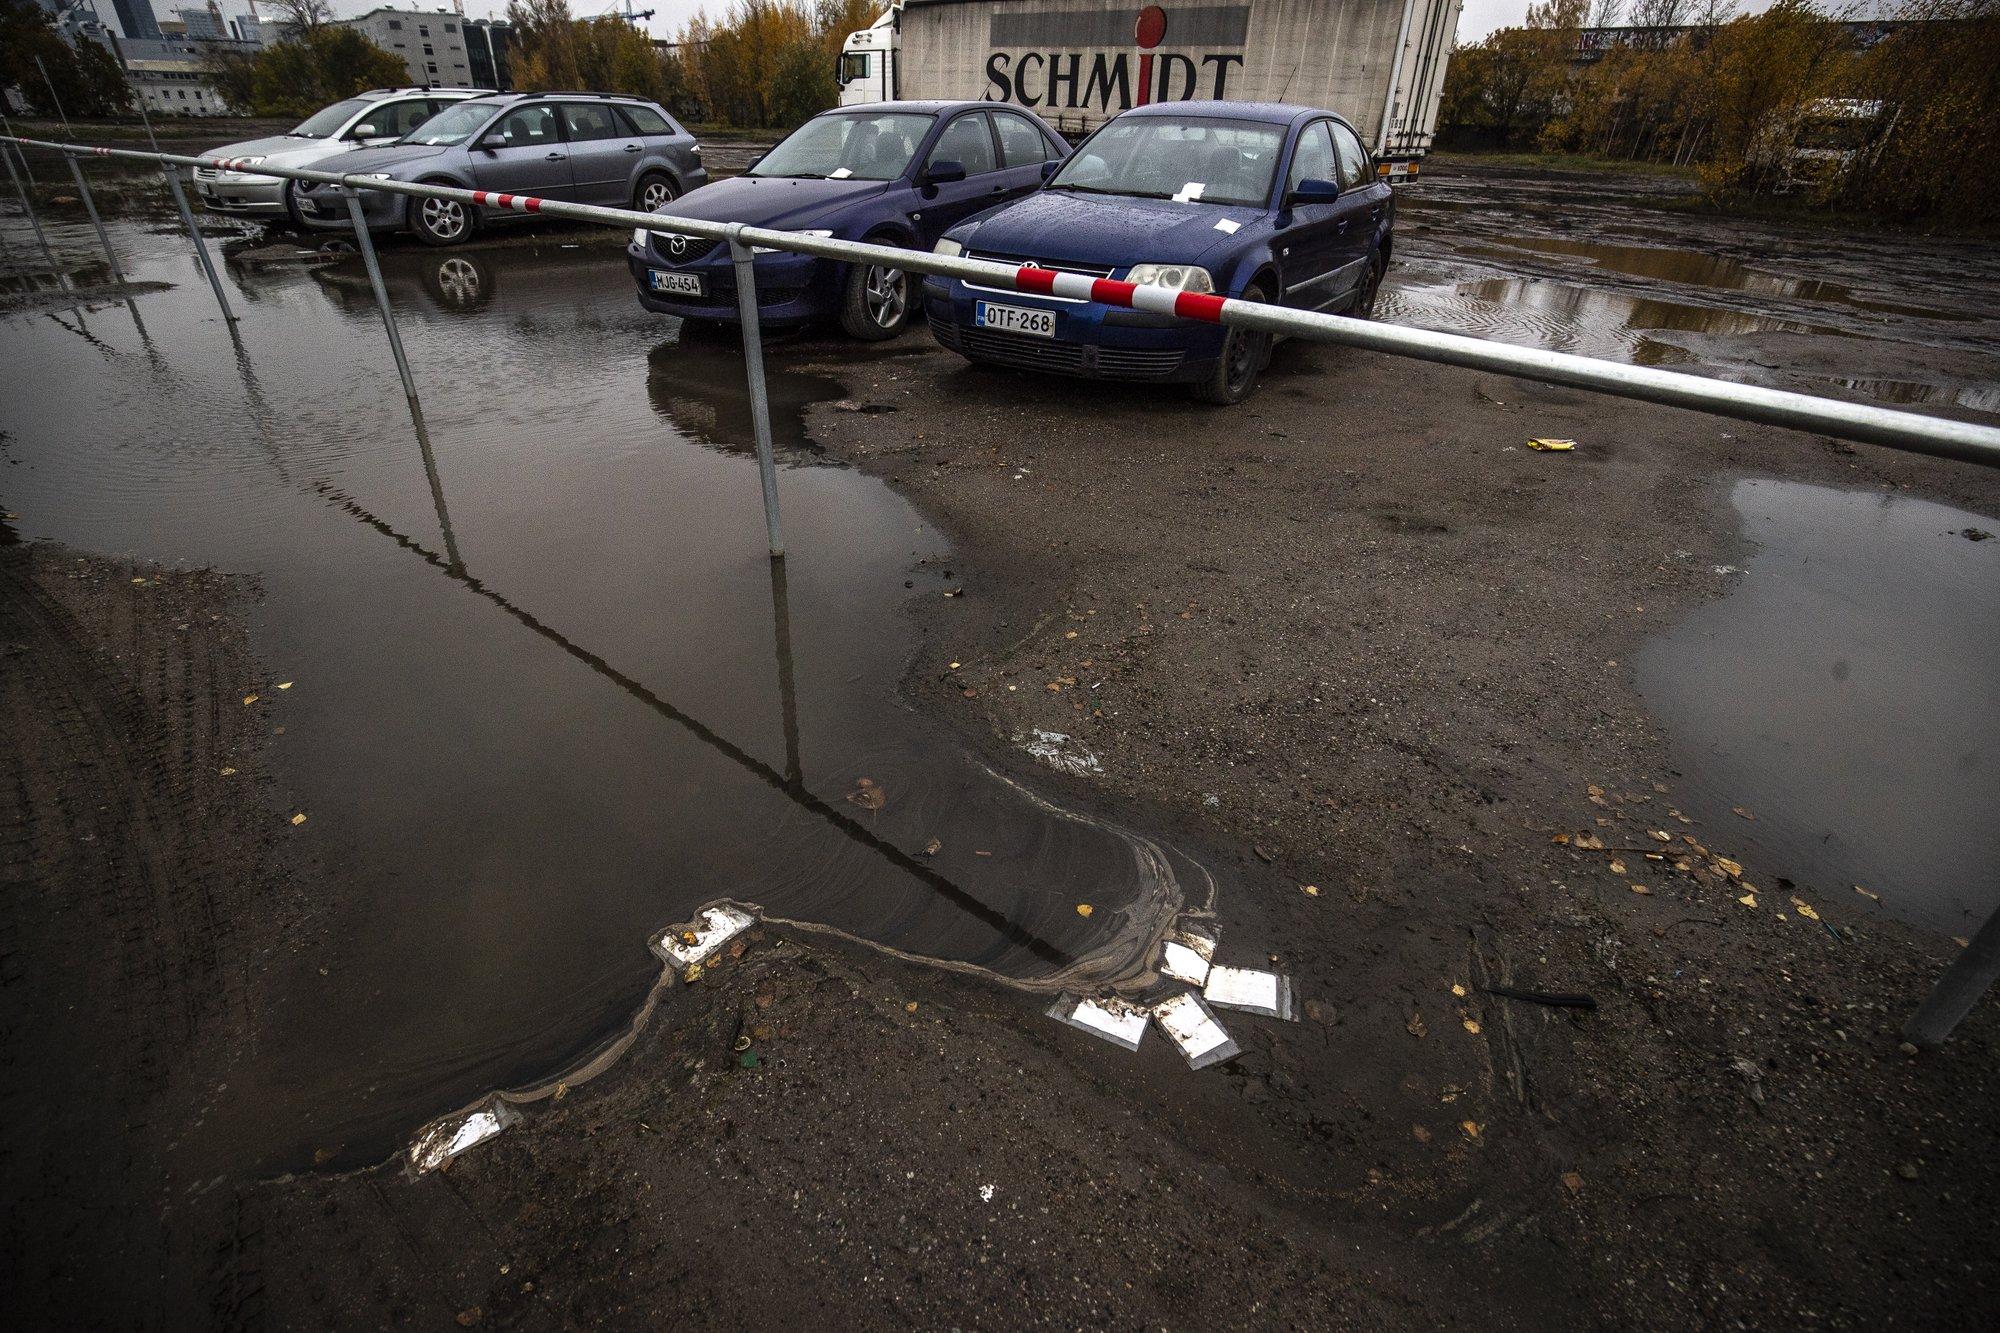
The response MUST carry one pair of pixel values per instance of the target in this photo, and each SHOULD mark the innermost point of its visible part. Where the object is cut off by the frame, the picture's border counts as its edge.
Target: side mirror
(944, 173)
(1313, 192)
(493, 141)
(365, 130)
(1050, 168)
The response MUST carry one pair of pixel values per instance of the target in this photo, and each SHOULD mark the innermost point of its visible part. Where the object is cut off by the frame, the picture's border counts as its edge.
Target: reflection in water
(1844, 693)
(504, 831)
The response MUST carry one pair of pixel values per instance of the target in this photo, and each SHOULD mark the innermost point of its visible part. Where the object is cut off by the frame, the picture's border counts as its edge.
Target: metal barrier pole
(200, 248)
(27, 205)
(753, 365)
(367, 245)
(8, 126)
(90, 207)
(788, 695)
(1970, 975)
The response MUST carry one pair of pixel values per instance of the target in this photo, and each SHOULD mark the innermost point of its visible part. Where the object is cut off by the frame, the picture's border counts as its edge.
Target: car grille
(206, 173)
(697, 249)
(1060, 266)
(1059, 358)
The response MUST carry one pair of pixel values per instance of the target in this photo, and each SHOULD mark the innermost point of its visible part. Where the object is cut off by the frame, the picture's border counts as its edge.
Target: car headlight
(238, 163)
(947, 247)
(1180, 277)
(639, 235)
(823, 233)
(375, 176)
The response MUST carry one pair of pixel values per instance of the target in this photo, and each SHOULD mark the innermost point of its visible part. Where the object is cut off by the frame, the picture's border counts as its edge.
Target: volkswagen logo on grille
(677, 245)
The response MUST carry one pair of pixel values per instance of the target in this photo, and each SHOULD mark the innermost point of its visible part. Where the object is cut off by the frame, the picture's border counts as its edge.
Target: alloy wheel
(888, 296)
(444, 218)
(655, 196)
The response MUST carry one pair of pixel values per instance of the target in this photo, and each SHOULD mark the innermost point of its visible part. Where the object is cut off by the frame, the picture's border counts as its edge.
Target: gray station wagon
(585, 148)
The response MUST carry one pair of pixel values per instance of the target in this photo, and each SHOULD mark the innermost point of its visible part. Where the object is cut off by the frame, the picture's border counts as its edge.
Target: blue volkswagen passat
(1255, 201)
(897, 173)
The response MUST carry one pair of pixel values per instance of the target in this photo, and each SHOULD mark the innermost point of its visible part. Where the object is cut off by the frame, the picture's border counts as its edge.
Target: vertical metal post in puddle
(367, 247)
(90, 207)
(452, 560)
(1970, 976)
(194, 234)
(41, 237)
(788, 696)
(753, 364)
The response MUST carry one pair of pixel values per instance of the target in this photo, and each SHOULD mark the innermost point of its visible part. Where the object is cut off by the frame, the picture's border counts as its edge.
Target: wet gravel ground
(1353, 636)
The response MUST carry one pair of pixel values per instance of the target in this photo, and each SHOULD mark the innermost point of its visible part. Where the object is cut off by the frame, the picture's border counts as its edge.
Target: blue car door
(531, 157)
(1363, 199)
(1023, 150)
(968, 141)
(1310, 236)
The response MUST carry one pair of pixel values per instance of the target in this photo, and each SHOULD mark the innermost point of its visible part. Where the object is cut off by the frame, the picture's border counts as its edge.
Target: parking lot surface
(1410, 706)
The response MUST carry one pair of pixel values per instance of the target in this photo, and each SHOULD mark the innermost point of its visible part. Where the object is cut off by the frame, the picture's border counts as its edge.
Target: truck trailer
(1077, 63)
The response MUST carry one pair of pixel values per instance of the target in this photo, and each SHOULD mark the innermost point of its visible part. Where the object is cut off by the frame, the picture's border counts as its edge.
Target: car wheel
(1245, 353)
(877, 302)
(655, 191)
(1363, 305)
(442, 221)
(290, 195)
(458, 283)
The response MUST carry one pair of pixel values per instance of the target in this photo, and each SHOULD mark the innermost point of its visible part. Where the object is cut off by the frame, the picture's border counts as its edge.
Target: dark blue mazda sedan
(1261, 202)
(895, 173)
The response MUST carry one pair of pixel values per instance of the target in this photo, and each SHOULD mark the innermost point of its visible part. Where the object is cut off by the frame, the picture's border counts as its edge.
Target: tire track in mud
(129, 864)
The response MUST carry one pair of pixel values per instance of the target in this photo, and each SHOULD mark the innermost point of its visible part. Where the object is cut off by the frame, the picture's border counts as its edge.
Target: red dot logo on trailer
(1148, 32)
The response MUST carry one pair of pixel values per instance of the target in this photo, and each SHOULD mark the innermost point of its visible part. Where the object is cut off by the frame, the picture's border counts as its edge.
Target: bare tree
(303, 16)
(1605, 13)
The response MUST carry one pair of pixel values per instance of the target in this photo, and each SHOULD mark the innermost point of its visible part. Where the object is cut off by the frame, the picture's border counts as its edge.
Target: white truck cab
(867, 69)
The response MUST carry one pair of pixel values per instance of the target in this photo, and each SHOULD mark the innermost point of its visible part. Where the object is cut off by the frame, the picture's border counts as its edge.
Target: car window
(1021, 144)
(328, 119)
(1353, 161)
(1313, 159)
(391, 119)
(1192, 158)
(584, 122)
(965, 140)
(864, 145)
(645, 120)
(529, 127)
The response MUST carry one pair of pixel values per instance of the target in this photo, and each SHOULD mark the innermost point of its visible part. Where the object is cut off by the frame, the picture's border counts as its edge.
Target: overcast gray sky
(1480, 16)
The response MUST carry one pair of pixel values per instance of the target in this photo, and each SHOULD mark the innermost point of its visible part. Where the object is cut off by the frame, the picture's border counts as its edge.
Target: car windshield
(854, 145)
(452, 125)
(1162, 157)
(328, 119)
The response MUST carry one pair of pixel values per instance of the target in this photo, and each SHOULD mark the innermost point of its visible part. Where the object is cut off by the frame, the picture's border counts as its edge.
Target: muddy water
(548, 693)
(1843, 692)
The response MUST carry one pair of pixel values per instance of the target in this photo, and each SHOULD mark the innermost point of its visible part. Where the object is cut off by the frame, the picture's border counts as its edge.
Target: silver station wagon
(585, 148)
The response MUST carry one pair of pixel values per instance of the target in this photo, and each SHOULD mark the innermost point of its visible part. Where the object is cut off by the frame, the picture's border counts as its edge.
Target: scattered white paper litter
(1182, 963)
(715, 927)
(1227, 226)
(1193, 1030)
(1189, 192)
(839, 174)
(1250, 990)
(447, 1138)
(986, 1194)
(1115, 1021)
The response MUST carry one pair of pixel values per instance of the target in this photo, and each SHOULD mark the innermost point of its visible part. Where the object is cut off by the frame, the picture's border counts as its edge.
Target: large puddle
(1845, 694)
(549, 692)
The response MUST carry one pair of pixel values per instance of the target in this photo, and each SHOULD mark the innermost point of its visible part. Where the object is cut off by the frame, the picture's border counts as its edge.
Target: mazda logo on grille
(677, 245)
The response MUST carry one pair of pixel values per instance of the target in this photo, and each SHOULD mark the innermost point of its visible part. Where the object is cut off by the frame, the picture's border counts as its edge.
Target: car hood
(1103, 230)
(275, 145)
(388, 159)
(773, 201)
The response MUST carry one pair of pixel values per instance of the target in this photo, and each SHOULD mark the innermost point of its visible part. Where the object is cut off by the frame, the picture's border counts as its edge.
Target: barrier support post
(366, 244)
(90, 207)
(41, 237)
(753, 366)
(194, 234)
(1970, 975)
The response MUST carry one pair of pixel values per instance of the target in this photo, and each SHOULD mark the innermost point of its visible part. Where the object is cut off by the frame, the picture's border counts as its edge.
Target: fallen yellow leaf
(284, 684)
(1871, 897)
(299, 818)
(1640, 889)
(1573, 1182)
(1084, 909)
(228, 772)
(1617, 866)
(1733, 869)
(1659, 835)
(249, 699)
(1552, 446)
(1748, 900)
(1458, 990)
(1470, 1128)
(1472, 1026)
(1310, 890)
(910, 1008)
(1804, 909)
